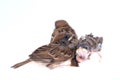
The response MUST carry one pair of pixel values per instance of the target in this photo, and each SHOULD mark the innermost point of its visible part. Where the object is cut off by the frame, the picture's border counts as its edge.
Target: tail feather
(21, 63)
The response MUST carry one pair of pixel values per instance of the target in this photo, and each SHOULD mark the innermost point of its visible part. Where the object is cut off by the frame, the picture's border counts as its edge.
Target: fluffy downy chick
(87, 45)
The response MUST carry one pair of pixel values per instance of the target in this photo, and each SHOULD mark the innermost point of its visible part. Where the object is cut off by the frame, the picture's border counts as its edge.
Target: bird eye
(66, 37)
(85, 47)
(63, 42)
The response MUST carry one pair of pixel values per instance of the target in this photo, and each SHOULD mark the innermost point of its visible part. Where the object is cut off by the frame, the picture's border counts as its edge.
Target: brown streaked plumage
(53, 54)
(61, 26)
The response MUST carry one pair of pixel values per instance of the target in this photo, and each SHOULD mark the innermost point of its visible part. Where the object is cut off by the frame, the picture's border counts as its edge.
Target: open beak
(81, 54)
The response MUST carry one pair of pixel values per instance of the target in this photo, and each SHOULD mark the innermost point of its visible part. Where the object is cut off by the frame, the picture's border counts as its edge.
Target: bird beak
(82, 54)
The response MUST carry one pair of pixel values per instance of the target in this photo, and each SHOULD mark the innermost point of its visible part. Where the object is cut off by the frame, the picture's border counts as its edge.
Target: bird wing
(41, 54)
(61, 53)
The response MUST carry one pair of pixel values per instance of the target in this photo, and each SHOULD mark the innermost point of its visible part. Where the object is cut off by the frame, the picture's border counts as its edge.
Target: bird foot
(52, 66)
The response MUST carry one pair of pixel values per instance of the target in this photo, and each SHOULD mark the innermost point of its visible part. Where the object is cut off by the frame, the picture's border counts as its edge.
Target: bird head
(61, 23)
(88, 44)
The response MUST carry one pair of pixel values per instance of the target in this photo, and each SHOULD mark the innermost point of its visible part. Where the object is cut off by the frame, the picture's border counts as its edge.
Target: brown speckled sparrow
(52, 54)
(61, 26)
(87, 45)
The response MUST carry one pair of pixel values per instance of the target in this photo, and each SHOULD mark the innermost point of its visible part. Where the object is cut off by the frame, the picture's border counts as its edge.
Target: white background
(28, 24)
